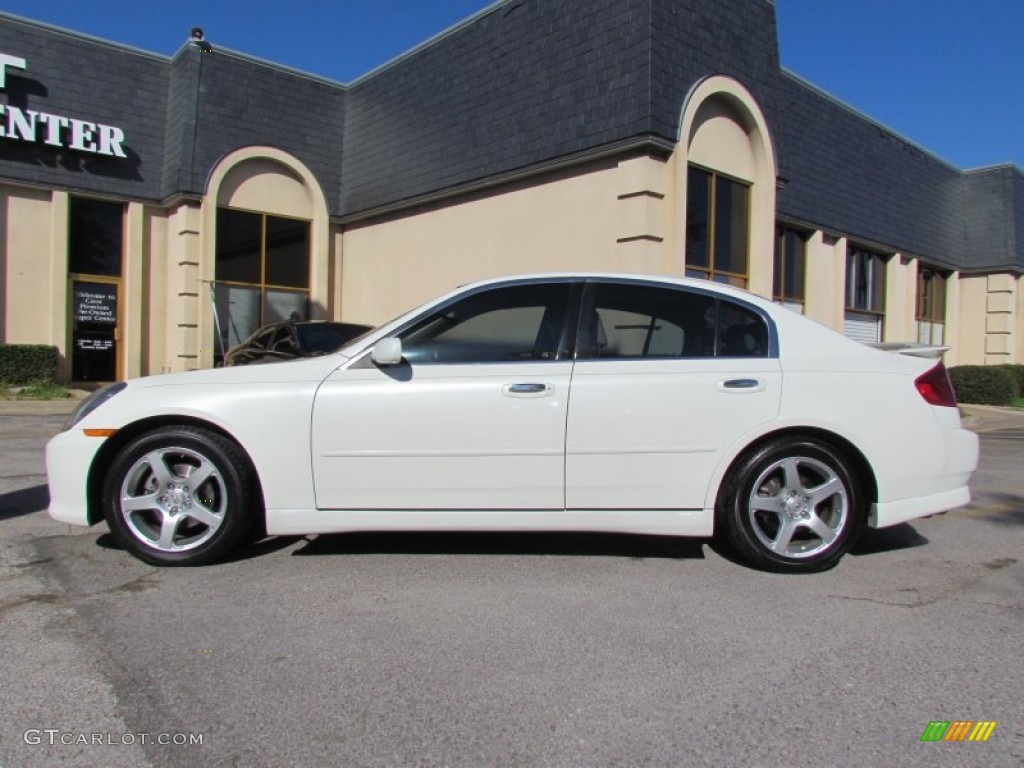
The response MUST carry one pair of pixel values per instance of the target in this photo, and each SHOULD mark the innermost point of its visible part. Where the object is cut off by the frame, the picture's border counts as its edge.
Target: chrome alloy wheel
(798, 507)
(173, 499)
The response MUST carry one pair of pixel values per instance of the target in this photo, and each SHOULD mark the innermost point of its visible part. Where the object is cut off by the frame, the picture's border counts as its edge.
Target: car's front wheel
(792, 505)
(179, 496)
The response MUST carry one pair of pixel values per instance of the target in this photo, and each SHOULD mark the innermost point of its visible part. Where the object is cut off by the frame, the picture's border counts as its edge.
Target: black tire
(180, 496)
(792, 505)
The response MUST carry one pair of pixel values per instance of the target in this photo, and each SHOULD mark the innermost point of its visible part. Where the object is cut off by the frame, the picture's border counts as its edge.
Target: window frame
(931, 304)
(563, 343)
(585, 342)
(943, 280)
(781, 266)
(76, 259)
(873, 291)
(263, 287)
(710, 271)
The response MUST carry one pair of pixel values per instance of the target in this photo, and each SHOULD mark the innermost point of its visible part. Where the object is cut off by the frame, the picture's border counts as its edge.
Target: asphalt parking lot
(514, 650)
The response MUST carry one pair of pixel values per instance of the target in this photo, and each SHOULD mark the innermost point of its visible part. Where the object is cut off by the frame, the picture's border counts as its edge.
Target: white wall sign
(55, 130)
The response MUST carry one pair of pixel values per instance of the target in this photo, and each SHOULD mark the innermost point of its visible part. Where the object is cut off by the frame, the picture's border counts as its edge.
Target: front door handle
(527, 389)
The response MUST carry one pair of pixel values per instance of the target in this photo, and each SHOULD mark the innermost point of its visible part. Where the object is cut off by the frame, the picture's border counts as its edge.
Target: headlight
(92, 402)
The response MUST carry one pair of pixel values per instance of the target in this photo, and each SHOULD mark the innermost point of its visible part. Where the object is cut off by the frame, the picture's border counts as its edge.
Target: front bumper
(69, 456)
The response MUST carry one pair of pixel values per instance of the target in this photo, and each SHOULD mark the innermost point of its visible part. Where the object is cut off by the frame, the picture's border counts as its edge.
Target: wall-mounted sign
(95, 303)
(55, 130)
(94, 345)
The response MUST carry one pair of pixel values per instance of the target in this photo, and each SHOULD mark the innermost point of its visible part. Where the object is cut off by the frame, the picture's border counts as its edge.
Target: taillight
(935, 387)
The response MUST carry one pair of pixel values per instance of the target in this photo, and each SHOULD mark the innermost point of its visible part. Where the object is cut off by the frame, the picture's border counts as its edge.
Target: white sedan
(544, 403)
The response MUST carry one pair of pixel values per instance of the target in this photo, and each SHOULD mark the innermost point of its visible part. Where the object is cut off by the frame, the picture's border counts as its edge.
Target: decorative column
(900, 299)
(641, 216)
(1000, 318)
(824, 291)
(183, 277)
(132, 290)
(60, 206)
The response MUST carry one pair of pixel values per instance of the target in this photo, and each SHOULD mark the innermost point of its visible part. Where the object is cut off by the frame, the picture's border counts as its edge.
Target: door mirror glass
(387, 352)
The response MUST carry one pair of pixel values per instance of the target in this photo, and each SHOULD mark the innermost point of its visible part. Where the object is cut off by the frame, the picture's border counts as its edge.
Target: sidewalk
(988, 418)
(38, 407)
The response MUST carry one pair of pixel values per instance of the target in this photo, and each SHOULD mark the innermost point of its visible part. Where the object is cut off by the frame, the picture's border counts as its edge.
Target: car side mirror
(387, 352)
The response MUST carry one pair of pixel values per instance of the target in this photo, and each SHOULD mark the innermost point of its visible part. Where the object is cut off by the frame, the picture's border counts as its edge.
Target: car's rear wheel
(179, 496)
(792, 505)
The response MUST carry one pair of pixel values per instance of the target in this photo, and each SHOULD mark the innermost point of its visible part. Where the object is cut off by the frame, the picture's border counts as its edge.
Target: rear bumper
(896, 512)
(947, 490)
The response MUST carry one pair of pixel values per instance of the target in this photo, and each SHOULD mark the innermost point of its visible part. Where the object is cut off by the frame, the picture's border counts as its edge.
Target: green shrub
(1017, 371)
(24, 363)
(983, 384)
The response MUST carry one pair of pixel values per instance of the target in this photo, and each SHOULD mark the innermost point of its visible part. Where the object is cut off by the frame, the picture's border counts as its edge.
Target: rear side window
(627, 320)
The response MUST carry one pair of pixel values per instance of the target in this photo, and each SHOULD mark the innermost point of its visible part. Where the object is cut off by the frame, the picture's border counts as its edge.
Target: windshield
(327, 337)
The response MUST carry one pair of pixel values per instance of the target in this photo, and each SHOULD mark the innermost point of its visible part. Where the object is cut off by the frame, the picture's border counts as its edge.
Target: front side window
(262, 273)
(790, 262)
(717, 227)
(520, 323)
(624, 320)
(931, 306)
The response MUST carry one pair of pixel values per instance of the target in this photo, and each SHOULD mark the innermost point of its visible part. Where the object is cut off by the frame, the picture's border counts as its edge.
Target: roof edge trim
(83, 36)
(866, 117)
(448, 32)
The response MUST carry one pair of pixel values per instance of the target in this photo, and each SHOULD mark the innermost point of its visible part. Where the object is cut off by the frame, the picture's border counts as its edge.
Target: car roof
(684, 282)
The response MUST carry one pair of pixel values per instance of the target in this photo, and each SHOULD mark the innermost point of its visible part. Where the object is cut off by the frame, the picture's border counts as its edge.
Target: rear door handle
(527, 389)
(741, 386)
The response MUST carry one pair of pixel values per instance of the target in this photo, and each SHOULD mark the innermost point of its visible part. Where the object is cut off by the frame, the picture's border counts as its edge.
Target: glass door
(95, 248)
(94, 328)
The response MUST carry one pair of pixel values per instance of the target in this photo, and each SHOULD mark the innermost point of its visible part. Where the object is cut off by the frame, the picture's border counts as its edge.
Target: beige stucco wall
(1000, 320)
(566, 221)
(26, 254)
(953, 320)
(825, 280)
(1019, 324)
(970, 338)
(153, 355)
(900, 299)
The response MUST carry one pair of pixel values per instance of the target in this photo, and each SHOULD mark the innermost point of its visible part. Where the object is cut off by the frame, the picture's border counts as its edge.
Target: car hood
(304, 369)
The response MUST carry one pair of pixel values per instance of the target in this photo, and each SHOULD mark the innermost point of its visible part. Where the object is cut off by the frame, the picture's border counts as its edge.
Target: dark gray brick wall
(74, 77)
(994, 217)
(849, 174)
(180, 110)
(242, 102)
(532, 81)
(692, 39)
(1017, 249)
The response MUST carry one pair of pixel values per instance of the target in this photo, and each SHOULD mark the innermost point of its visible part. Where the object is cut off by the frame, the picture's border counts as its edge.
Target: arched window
(727, 177)
(261, 273)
